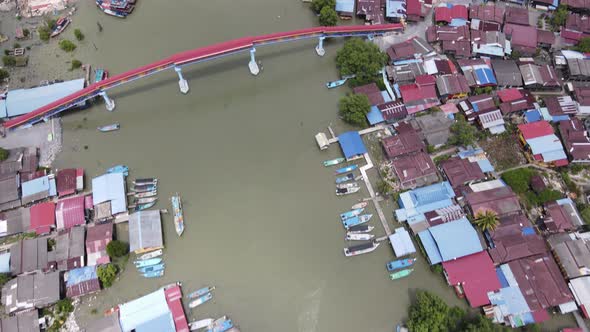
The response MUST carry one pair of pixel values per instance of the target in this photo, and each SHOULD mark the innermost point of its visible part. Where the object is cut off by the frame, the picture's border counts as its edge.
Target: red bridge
(206, 53)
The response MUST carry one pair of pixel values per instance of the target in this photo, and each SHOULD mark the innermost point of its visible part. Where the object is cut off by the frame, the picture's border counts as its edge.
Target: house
(29, 291)
(352, 145)
(452, 86)
(544, 4)
(523, 39)
(15, 221)
(405, 72)
(476, 155)
(492, 120)
(477, 104)
(345, 8)
(401, 242)
(393, 111)
(371, 91)
(38, 189)
(444, 215)
(447, 33)
(69, 251)
(370, 10)
(575, 140)
(69, 212)
(454, 15)
(545, 39)
(415, 170)
(487, 17)
(576, 27)
(436, 66)
(395, 10)
(540, 77)
(21, 160)
(402, 144)
(582, 96)
(461, 171)
(562, 216)
(98, 237)
(449, 109)
(572, 254)
(24, 322)
(477, 72)
(580, 288)
(82, 281)
(42, 217)
(579, 6)
(578, 69)
(108, 191)
(507, 73)
(490, 43)
(542, 143)
(514, 238)
(474, 275)
(421, 95)
(415, 203)
(514, 100)
(500, 200)
(414, 48)
(441, 245)
(69, 181)
(415, 11)
(560, 108)
(434, 127)
(29, 255)
(145, 231)
(517, 15)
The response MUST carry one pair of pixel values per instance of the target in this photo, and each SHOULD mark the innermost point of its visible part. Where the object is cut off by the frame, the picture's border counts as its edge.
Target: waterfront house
(415, 11)
(42, 218)
(352, 145)
(401, 242)
(561, 216)
(82, 281)
(109, 190)
(29, 255)
(542, 145)
(15, 221)
(500, 200)
(345, 8)
(507, 73)
(452, 86)
(415, 203)
(575, 140)
(415, 170)
(434, 127)
(443, 215)
(370, 10)
(576, 27)
(405, 72)
(69, 212)
(487, 17)
(145, 231)
(454, 15)
(21, 160)
(421, 95)
(23, 322)
(38, 189)
(402, 144)
(28, 291)
(473, 275)
(69, 181)
(98, 237)
(460, 172)
(372, 92)
(441, 245)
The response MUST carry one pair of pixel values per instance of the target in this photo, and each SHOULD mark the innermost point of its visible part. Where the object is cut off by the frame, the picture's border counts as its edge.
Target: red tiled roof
(70, 212)
(42, 217)
(174, 300)
(460, 171)
(402, 144)
(372, 92)
(510, 242)
(535, 129)
(476, 275)
(508, 95)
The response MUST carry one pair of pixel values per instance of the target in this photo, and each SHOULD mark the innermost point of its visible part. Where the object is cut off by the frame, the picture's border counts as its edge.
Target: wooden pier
(374, 197)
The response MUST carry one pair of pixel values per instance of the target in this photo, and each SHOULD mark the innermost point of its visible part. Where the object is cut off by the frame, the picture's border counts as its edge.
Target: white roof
(483, 186)
(142, 310)
(401, 242)
(580, 287)
(110, 187)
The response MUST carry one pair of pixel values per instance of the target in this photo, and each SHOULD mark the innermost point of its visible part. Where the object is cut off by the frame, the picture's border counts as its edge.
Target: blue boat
(145, 206)
(346, 169)
(200, 300)
(148, 262)
(201, 292)
(400, 263)
(119, 169)
(345, 178)
(350, 214)
(221, 325)
(335, 84)
(357, 220)
(154, 274)
(152, 268)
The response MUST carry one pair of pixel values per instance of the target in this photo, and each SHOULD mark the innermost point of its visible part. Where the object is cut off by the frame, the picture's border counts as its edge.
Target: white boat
(346, 191)
(360, 205)
(359, 236)
(361, 249)
(152, 254)
(347, 185)
(200, 300)
(146, 194)
(200, 324)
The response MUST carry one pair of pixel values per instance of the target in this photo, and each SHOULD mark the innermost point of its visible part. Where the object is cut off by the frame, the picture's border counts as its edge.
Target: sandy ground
(37, 136)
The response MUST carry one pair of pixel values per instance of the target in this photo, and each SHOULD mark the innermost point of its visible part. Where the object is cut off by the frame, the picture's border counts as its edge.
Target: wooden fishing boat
(146, 194)
(144, 188)
(350, 214)
(361, 249)
(356, 220)
(110, 127)
(345, 178)
(400, 263)
(178, 214)
(346, 191)
(401, 274)
(145, 181)
(142, 207)
(335, 84)
(360, 205)
(222, 324)
(153, 268)
(60, 26)
(151, 254)
(359, 236)
(333, 162)
(147, 262)
(145, 200)
(346, 169)
(100, 74)
(200, 300)
(200, 324)
(119, 169)
(200, 292)
(359, 229)
(153, 274)
(347, 185)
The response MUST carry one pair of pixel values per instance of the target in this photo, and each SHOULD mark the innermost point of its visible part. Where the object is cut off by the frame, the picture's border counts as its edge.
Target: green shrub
(79, 35)
(328, 16)
(318, 5)
(26, 33)
(64, 306)
(9, 60)
(585, 212)
(548, 195)
(116, 249)
(4, 74)
(76, 64)
(519, 179)
(44, 33)
(67, 45)
(107, 274)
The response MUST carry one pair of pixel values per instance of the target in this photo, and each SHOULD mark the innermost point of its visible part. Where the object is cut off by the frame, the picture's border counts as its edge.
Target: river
(261, 215)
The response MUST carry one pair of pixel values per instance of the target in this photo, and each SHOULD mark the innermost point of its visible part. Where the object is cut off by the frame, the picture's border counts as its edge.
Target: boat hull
(401, 274)
(400, 264)
(201, 300)
(360, 249)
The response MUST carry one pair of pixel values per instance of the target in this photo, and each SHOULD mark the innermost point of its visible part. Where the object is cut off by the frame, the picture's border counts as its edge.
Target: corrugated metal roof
(70, 212)
(145, 230)
(23, 101)
(110, 187)
(36, 186)
(345, 6)
(174, 299)
(545, 144)
(42, 217)
(145, 309)
(476, 275)
(401, 242)
(446, 236)
(5, 262)
(352, 145)
(429, 244)
(375, 116)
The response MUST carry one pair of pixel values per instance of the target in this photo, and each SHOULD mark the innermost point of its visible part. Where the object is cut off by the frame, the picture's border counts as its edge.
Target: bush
(107, 274)
(76, 64)
(519, 179)
(4, 74)
(4, 277)
(354, 108)
(559, 17)
(67, 45)
(117, 249)
(26, 33)
(548, 195)
(79, 35)
(383, 187)
(64, 306)
(583, 45)
(463, 132)
(44, 33)
(9, 60)
(585, 212)
(318, 5)
(16, 45)
(328, 16)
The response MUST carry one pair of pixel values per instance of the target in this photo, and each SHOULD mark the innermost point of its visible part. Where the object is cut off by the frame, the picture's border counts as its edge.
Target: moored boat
(200, 300)
(346, 169)
(335, 84)
(60, 26)
(401, 274)
(401, 328)
(201, 292)
(359, 236)
(400, 263)
(145, 181)
(200, 324)
(359, 229)
(356, 220)
(119, 169)
(142, 207)
(110, 127)
(360, 205)
(146, 194)
(178, 214)
(99, 74)
(333, 162)
(145, 200)
(361, 249)
(144, 188)
(153, 274)
(153, 268)
(350, 214)
(346, 191)
(345, 178)
(151, 254)
(347, 185)
(148, 262)
(220, 325)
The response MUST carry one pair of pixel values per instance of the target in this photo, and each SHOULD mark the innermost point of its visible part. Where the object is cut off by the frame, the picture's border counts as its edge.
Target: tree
(318, 5)
(548, 195)
(44, 33)
(360, 58)
(9, 60)
(107, 274)
(518, 179)
(328, 16)
(559, 17)
(428, 313)
(463, 132)
(117, 249)
(4, 74)
(79, 35)
(583, 45)
(455, 318)
(486, 220)
(76, 64)
(515, 55)
(67, 45)
(585, 212)
(354, 108)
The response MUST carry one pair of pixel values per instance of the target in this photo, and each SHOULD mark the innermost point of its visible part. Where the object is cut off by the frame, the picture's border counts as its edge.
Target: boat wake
(308, 318)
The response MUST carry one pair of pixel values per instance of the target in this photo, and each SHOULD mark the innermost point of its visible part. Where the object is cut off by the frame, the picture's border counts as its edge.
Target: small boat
(361, 249)
(145, 200)
(153, 274)
(356, 220)
(346, 169)
(146, 194)
(144, 188)
(119, 169)
(345, 178)
(99, 75)
(221, 325)
(152, 268)
(401, 274)
(148, 262)
(350, 214)
(60, 26)
(151, 254)
(333, 162)
(347, 185)
(401, 328)
(360, 205)
(200, 324)
(359, 236)
(178, 215)
(335, 84)
(400, 263)
(359, 229)
(346, 191)
(142, 207)
(201, 292)
(200, 300)
(107, 128)
(141, 182)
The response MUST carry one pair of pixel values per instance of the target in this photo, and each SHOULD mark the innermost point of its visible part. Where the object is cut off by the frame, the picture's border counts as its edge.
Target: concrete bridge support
(182, 83)
(254, 69)
(320, 48)
(110, 104)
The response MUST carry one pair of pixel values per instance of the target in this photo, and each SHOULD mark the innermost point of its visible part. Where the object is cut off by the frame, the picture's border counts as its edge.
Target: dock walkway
(374, 197)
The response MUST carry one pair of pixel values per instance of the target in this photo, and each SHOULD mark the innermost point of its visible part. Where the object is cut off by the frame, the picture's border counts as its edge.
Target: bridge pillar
(182, 83)
(110, 104)
(254, 69)
(320, 48)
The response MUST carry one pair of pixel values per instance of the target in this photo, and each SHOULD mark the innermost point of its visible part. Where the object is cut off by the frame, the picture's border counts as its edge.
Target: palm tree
(486, 220)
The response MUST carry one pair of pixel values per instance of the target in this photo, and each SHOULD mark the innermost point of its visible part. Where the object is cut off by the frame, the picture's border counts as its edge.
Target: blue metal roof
(23, 101)
(345, 6)
(485, 165)
(545, 144)
(386, 96)
(532, 116)
(485, 76)
(510, 300)
(430, 247)
(375, 116)
(553, 156)
(445, 237)
(3, 112)
(501, 278)
(81, 274)
(457, 22)
(163, 323)
(351, 143)
(470, 152)
(110, 187)
(5, 262)
(418, 201)
(38, 185)
(149, 308)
